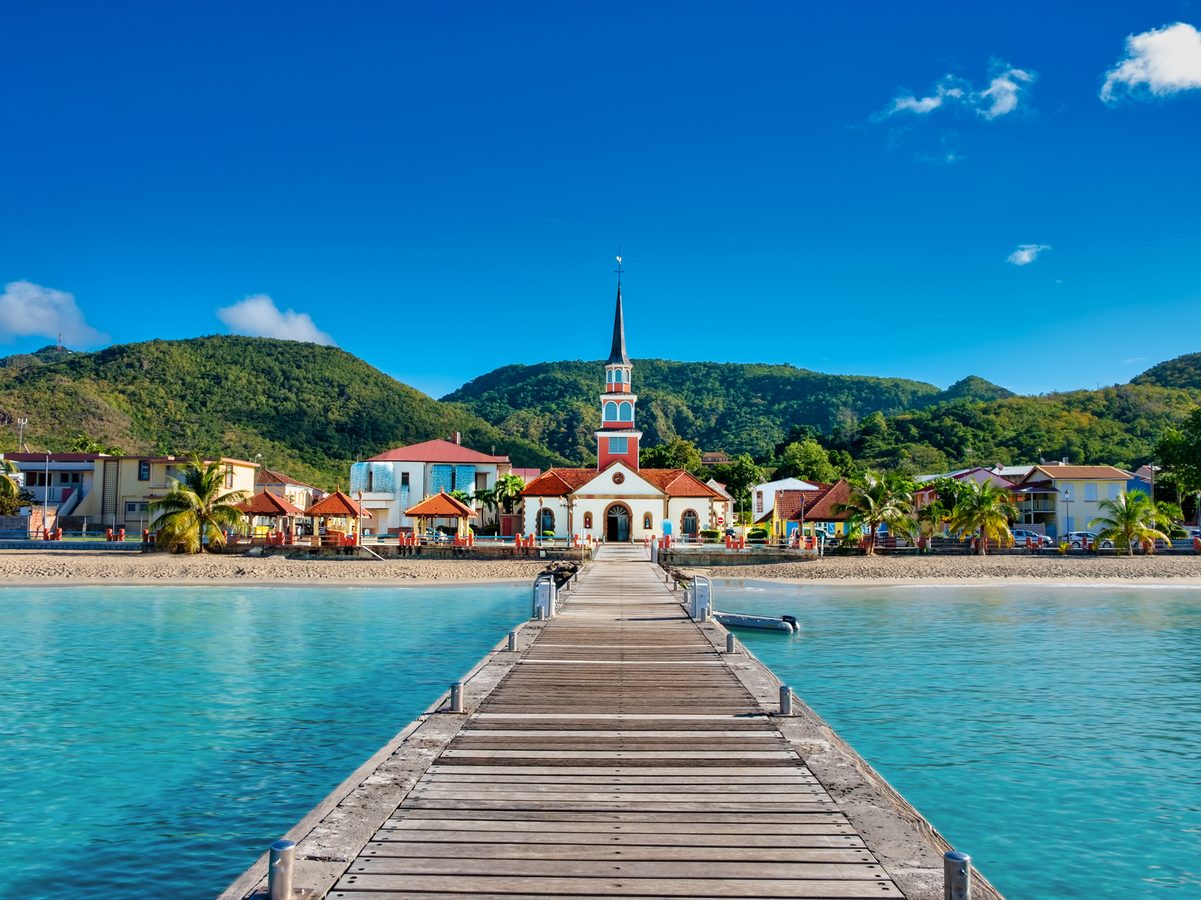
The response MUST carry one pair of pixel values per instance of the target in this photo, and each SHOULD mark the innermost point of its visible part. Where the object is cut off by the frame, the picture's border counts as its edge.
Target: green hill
(1181, 372)
(307, 409)
(736, 407)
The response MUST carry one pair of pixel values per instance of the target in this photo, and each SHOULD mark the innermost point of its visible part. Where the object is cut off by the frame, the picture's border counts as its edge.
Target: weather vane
(619, 269)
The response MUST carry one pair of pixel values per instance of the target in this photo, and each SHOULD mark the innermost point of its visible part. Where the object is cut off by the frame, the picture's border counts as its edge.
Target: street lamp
(46, 496)
(1067, 513)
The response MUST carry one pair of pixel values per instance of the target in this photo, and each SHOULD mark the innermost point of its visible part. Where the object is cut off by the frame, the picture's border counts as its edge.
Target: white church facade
(617, 501)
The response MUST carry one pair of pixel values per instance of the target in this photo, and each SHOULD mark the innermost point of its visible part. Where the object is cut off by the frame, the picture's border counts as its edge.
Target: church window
(587, 520)
(647, 522)
(617, 375)
(626, 411)
(546, 520)
(619, 445)
(610, 411)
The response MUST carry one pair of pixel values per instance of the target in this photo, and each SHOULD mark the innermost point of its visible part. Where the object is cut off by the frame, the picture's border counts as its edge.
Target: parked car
(1021, 535)
(1076, 540)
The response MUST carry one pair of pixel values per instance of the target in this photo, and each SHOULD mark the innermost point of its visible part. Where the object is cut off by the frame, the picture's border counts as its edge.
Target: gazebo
(441, 506)
(266, 505)
(340, 509)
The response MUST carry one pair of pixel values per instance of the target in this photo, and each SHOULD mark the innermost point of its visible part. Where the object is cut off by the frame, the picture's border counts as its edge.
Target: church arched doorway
(617, 523)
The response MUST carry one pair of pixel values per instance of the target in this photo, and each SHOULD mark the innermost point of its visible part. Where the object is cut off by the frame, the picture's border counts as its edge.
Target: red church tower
(617, 438)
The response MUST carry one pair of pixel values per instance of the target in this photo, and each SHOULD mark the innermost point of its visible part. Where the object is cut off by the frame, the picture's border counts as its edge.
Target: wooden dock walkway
(620, 756)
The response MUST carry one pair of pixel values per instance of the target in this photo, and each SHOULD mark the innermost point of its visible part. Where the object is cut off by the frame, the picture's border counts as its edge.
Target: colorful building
(1059, 499)
(618, 501)
(391, 482)
(819, 512)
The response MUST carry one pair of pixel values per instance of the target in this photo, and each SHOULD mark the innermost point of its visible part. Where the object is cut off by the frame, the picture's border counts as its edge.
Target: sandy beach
(97, 567)
(83, 567)
(1178, 570)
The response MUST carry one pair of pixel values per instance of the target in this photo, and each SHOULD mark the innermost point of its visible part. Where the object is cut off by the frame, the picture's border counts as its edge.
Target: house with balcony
(1059, 499)
(393, 481)
(97, 491)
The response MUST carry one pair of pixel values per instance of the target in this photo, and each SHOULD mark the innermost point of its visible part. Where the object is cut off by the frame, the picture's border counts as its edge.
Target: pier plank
(619, 756)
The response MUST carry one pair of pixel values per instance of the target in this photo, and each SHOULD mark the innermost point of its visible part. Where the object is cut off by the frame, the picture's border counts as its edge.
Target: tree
(508, 491)
(738, 475)
(83, 443)
(807, 460)
(986, 509)
(484, 498)
(195, 513)
(1179, 449)
(1131, 517)
(877, 500)
(12, 495)
(923, 523)
(675, 454)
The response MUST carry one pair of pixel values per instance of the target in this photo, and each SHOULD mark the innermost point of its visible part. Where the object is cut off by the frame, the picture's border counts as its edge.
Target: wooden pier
(621, 753)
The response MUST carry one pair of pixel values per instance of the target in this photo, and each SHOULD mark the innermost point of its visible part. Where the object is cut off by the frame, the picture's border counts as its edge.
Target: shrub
(709, 535)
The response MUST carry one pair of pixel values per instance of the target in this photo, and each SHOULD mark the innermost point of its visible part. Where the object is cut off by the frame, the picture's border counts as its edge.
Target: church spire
(617, 355)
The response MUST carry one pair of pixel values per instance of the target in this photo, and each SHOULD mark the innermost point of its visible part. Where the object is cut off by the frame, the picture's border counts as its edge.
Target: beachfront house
(765, 502)
(927, 492)
(1056, 500)
(295, 492)
(95, 491)
(391, 482)
(819, 512)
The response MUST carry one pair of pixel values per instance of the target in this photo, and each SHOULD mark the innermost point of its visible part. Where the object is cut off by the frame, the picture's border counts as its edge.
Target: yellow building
(123, 487)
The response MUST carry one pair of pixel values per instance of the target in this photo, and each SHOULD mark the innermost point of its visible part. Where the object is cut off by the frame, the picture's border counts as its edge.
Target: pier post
(785, 700)
(731, 645)
(279, 872)
(456, 697)
(512, 641)
(957, 876)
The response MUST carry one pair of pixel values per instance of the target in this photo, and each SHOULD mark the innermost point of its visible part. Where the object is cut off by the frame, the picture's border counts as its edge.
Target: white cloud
(28, 309)
(1163, 60)
(258, 316)
(1026, 254)
(1001, 97)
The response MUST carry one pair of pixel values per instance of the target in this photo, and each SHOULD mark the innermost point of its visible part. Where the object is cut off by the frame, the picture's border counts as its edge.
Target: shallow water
(140, 728)
(1052, 733)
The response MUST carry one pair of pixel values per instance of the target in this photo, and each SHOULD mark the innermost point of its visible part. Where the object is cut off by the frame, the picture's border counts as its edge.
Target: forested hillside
(740, 408)
(307, 409)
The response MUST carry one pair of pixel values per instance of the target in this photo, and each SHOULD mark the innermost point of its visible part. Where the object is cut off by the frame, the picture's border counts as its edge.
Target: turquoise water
(165, 736)
(1052, 733)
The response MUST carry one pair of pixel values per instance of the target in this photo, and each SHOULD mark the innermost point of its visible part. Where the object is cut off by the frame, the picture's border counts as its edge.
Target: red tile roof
(337, 504)
(673, 482)
(268, 504)
(1076, 473)
(271, 476)
(557, 482)
(439, 451)
(441, 505)
(819, 506)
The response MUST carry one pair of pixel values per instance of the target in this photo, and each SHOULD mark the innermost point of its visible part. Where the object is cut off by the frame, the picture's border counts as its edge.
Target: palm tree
(10, 490)
(508, 490)
(986, 509)
(1131, 517)
(877, 500)
(195, 513)
(922, 523)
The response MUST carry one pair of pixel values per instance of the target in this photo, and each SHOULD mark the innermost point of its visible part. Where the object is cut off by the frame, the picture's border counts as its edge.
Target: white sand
(98, 567)
(1179, 570)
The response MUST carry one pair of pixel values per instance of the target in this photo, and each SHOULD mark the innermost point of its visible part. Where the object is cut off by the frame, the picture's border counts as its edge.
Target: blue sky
(441, 188)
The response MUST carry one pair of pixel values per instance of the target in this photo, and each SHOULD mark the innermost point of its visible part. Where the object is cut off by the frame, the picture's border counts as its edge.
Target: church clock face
(618, 477)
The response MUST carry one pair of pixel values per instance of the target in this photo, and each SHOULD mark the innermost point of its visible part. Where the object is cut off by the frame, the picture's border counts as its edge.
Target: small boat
(766, 623)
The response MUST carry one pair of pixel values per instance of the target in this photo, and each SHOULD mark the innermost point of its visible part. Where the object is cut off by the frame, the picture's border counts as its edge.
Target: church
(618, 501)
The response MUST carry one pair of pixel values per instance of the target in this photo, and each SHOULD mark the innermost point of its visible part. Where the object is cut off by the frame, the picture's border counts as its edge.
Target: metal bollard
(512, 641)
(279, 872)
(785, 700)
(731, 647)
(957, 876)
(456, 697)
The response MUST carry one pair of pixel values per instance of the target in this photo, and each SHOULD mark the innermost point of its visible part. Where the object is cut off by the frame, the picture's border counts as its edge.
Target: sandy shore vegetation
(1172, 569)
(17, 567)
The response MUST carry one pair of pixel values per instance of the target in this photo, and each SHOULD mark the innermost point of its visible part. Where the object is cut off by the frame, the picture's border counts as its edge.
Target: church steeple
(617, 355)
(618, 439)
